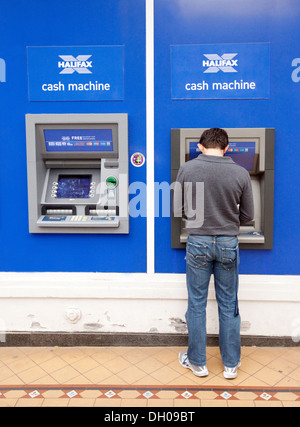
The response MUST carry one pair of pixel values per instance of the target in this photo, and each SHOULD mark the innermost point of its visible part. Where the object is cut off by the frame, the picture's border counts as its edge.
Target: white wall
(138, 303)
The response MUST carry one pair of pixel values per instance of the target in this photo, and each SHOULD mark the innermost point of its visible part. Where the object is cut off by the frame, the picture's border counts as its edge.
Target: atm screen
(242, 153)
(73, 187)
(194, 151)
(74, 140)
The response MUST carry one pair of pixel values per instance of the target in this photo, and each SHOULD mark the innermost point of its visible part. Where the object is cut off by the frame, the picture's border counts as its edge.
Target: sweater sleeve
(178, 196)
(246, 203)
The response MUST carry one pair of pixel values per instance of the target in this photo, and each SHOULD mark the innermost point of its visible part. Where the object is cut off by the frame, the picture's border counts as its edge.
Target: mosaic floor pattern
(144, 377)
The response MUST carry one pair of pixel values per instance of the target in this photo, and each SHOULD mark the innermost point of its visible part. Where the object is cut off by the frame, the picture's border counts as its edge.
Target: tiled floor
(144, 376)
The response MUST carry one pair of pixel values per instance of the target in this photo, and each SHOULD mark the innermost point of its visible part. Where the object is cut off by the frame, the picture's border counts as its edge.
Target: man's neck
(213, 152)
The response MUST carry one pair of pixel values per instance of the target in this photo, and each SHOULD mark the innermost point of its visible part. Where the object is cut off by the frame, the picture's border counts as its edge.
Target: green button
(111, 182)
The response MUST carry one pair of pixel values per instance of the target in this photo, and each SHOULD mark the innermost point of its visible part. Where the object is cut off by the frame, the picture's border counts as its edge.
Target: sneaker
(231, 373)
(200, 371)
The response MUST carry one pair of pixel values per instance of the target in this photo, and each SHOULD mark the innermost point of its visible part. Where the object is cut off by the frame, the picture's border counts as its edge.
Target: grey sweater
(220, 202)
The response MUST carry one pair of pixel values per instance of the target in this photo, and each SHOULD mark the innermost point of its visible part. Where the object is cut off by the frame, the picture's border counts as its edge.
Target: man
(212, 246)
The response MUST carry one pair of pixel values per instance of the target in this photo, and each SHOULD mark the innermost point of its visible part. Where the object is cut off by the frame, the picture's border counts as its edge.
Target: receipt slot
(77, 167)
(252, 148)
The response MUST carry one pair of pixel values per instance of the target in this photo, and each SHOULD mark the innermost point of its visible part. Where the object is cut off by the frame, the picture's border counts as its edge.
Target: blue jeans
(218, 255)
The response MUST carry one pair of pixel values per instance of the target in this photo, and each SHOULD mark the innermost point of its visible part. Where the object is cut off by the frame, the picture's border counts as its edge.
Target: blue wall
(235, 21)
(66, 23)
(122, 22)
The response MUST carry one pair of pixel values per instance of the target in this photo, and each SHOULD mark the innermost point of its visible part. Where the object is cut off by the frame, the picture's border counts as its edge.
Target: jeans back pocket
(196, 255)
(229, 256)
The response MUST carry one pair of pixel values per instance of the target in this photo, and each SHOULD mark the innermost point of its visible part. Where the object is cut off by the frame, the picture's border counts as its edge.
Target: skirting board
(150, 308)
(34, 339)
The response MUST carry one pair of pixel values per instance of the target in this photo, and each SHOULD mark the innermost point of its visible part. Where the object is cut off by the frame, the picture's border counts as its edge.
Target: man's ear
(226, 148)
(201, 147)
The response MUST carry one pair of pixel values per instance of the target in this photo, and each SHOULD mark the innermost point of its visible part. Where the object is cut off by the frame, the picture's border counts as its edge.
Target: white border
(150, 135)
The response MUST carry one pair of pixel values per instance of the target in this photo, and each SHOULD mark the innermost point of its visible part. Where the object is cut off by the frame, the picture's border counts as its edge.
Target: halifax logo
(216, 63)
(69, 64)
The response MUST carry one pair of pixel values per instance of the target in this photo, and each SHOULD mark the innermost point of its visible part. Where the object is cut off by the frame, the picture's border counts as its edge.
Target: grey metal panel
(270, 148)
(175, 149)
(175, 165)
(268, 183)
(175, 221)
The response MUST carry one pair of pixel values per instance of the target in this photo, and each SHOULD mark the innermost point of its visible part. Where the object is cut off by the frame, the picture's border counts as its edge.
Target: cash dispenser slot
(250, 224)
(102, 211)
(58, 210)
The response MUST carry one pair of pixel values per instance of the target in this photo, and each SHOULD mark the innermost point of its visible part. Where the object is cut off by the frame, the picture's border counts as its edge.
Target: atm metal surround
(258, 234)
(77, 167)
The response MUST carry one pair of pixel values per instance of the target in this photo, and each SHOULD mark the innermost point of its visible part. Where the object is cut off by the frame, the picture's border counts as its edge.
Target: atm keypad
(78, 218)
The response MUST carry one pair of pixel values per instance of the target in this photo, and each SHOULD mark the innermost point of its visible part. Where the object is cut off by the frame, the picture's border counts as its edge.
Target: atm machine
(77, 166)
(252, 148)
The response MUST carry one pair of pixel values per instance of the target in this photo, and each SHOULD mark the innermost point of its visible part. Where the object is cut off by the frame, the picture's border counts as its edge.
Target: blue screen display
(73, 187)
(74, 140)
(194, 150)
(242, 153)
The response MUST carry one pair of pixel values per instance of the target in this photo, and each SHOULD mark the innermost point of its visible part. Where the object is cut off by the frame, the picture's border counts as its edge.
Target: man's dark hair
(214, 138)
